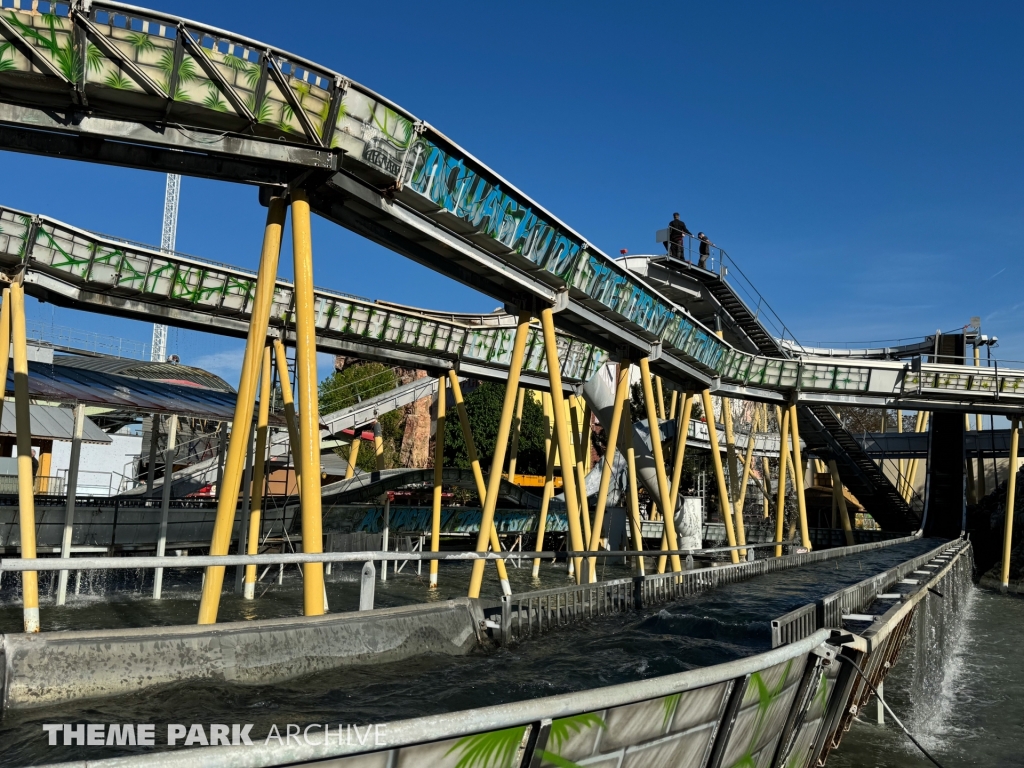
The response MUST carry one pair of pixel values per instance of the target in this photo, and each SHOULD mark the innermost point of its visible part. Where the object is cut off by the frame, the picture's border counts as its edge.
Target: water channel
(727, 623)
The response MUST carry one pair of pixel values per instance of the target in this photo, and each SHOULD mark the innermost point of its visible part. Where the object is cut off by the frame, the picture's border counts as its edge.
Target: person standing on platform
(676, 230)
(705, 250)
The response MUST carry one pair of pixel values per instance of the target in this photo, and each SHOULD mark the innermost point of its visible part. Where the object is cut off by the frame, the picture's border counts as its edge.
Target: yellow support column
(668, 513)
(517, 425)
(501, 441)
(780, 507)
(626, 446)
(682, 430)
(353, 457)
(747, 461)
(564, 440)
(734, 472)
(621, 390)
(435, 517)
(1011, 490)
(551, 452)
(26, 496)
(227, 503)
(309, 405)
(378, 446)
(798, 476)
(288, 403)
(661, 397)
(478, 475)
(581, 475)
(258, 476)
(716, 459)
(673, 401)
(5, 344)
(840, 497)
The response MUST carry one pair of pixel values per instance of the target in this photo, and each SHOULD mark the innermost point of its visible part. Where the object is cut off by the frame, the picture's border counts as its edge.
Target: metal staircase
(820, 428)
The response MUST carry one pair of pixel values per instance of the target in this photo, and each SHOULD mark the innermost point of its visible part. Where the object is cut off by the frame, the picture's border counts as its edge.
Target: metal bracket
(656, 350)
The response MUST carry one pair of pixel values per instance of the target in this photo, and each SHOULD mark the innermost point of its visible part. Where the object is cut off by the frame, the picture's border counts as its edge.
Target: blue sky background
(861, 162)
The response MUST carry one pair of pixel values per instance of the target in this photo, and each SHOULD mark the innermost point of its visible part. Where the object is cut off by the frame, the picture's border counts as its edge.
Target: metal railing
(529, 613)
(828, 612)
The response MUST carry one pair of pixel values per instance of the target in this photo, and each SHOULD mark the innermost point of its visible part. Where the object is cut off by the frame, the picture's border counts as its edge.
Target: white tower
(158, 353)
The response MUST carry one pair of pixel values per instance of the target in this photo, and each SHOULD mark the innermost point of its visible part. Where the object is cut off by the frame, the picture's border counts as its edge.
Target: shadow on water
(731, 622)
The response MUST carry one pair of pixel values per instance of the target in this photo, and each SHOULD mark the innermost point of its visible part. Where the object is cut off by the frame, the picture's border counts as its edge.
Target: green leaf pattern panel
(762, 715)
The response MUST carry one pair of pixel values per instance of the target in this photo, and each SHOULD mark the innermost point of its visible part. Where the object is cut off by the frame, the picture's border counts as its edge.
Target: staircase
(820, 428)
(823, 433)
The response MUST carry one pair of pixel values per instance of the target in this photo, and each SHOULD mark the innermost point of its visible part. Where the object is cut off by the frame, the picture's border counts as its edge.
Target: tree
(483, 406)
(359, 382)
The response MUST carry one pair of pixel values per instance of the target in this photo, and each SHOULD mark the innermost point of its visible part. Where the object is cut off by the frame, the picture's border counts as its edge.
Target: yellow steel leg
(353, 457)
(780, 507)
(621, 391)
(258, 475)
(289, 407)
(517, 426)
(716, 459)
(227, 503)
(798, 476)
(5, 344)
(661, 397)
(667, 512)
(551, 451)
(840, 497)
(588, 433)
(747, 461)
(626, 446)
(672, 403)
(435, 518)
(378, 446)
(309, 405)
(734, 473)
(478, 475)
(581, 475)
(26, 497)
(1011, 489)
(501, 441)
(565, 447)
(682, 429)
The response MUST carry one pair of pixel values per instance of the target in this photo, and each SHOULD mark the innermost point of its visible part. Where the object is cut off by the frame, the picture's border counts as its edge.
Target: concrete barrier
(57, 667)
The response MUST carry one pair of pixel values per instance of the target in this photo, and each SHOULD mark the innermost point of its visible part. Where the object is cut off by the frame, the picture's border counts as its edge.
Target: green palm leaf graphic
(141, 42)
(118, 81)
(6, 64)
(496, 749)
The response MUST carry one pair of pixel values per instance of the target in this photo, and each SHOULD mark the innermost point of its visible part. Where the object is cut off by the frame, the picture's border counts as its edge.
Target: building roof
(51, 422)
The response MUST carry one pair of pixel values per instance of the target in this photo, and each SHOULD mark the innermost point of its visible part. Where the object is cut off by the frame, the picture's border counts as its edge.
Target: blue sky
(861, 162)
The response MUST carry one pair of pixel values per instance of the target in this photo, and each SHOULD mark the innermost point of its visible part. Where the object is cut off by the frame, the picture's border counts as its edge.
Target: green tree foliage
(484, 408)
(356, 383)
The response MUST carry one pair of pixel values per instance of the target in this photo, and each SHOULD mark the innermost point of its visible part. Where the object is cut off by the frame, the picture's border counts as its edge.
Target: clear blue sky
(861, 161)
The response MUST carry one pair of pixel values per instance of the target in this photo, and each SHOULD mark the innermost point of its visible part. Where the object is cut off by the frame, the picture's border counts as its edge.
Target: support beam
(748, 460)
(565, 447)
(1011, 490)
(840, 500)
(478, 476)
(673, 401)
(780, 507)
(72, 491)
(626, 446)
(661, 397)
(288, 403)
(581, 474)
(258, 475)
(551, 452)
(716, 459)
(26, 495)
(734, 472)
(517, 426)
(607, 463)
(500, 443)
(353, 456)
(378, 446)
(5, 345)
(309, 405)
(227, 505)
(154, 434)
(798, 475)
(165, 501)
(682, 431)
(435, 518)
(668, 513)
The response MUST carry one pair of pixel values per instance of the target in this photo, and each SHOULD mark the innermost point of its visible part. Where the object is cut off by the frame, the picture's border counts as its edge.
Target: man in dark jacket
(676, 230)
(705, 250)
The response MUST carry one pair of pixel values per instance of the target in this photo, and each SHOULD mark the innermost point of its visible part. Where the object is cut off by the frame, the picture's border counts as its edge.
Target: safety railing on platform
(529, 613)
(828, 612)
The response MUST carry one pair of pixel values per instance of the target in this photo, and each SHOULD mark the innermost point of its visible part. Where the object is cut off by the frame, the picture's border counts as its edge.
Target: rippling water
(970, 712)
(728, 623)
